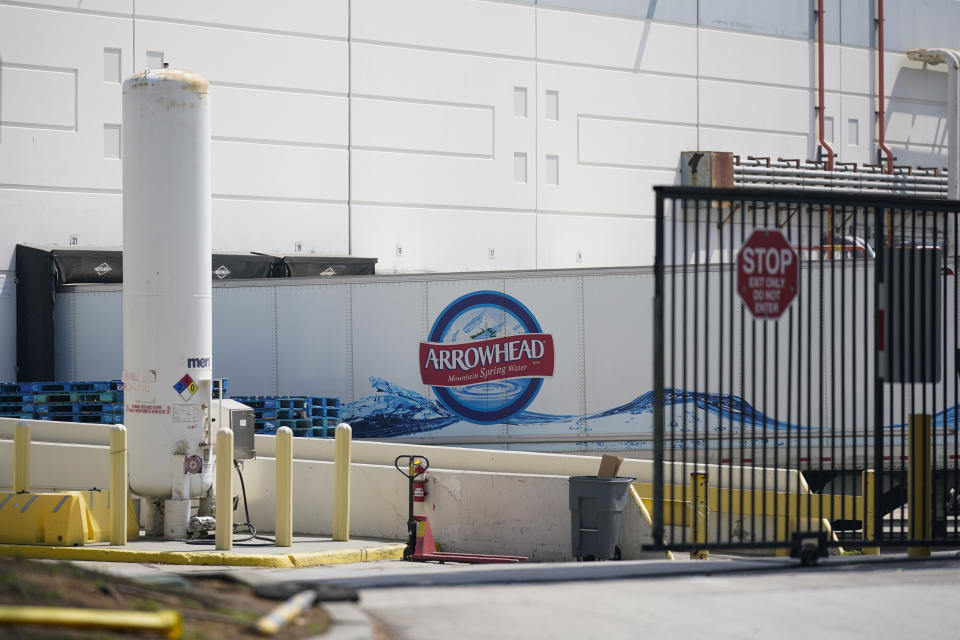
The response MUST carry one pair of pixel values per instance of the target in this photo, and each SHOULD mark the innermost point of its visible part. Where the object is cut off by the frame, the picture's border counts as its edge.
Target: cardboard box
(609, 466)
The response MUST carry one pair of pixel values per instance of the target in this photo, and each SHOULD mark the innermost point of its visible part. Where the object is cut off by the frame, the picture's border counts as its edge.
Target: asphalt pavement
(886, 596)
(888, 600)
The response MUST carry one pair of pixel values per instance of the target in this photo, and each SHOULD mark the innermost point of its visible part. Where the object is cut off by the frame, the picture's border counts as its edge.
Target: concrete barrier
(384, 453)
(56, 466)
(469, 511)
(63, 455)
(478, 501)
(53, 431)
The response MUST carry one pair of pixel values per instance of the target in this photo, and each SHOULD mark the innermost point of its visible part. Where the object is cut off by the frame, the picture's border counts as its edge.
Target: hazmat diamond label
(102, 268)
(222, 272)
(186, 387)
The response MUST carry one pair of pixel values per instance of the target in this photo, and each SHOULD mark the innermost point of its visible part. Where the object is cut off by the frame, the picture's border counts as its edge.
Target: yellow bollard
(167, 622)
(286, 613)
(918, 484)
(341, 483)
(284, 506)
(699, 523)
(21, 457)
(224, 462)
(784, 527)
(118, 485)
(869, 512)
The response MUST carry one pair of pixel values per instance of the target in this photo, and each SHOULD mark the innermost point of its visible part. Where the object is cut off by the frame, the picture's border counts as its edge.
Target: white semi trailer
(557, 361)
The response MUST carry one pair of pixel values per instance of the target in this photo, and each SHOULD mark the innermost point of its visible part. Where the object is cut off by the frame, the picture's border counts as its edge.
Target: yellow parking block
(64, 518)
(43, 518)
(98, 516)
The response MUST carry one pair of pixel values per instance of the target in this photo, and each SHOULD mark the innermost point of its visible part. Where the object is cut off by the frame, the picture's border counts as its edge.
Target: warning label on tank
(145, 375)
(139, 381)
(186, 413)
(186, 387)
(153, 409)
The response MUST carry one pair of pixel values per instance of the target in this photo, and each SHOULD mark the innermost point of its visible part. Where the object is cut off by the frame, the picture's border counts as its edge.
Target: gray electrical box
(239, 417)
(912, 317)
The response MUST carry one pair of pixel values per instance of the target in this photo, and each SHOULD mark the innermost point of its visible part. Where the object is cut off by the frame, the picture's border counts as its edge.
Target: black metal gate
(801, 340)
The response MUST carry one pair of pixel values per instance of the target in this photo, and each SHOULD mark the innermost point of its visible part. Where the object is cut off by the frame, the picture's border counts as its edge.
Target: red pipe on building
(880, 93)
(822, 107)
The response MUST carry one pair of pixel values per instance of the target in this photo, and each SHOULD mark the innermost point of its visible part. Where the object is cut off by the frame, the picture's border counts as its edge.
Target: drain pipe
(820, 91)
(952, 58)
(881, 95)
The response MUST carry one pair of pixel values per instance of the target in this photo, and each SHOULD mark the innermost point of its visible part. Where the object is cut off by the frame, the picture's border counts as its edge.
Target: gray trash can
(596, 507)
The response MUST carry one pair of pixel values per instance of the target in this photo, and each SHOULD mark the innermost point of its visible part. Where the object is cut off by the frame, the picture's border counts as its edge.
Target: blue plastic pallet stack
(307, 416)
(98, 402)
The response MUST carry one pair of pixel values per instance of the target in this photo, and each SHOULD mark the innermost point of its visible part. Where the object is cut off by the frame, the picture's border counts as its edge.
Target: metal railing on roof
(784, 173)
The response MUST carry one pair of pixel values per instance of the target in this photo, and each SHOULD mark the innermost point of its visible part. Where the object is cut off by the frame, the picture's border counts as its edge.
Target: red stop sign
(767, 274)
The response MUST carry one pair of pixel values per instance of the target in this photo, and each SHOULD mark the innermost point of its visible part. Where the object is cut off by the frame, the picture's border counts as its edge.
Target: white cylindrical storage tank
(167, 323)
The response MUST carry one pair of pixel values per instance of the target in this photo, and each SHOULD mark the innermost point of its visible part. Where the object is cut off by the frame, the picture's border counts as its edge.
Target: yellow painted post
(918, 484)
(21, 457)
(224, 466)
(785, 527)
(286, 613)
(341, 483)
(167, 622)
(284, 507)
(118, 485)
(869, 512)
(699, 523)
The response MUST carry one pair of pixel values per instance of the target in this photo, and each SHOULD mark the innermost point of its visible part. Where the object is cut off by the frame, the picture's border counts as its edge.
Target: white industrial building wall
(278, 77)
(443, 101)
(60, 105)
(445, 135)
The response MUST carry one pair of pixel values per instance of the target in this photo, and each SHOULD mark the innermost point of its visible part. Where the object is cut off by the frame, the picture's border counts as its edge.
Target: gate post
(699, 520)
(659, 362)
(868, 485)
(918, 484)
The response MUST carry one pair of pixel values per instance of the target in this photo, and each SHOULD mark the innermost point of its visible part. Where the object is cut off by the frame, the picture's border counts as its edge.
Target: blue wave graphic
(946, 418)
(727, 407)
(396, 411)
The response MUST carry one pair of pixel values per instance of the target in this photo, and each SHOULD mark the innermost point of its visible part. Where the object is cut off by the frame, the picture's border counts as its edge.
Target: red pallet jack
(420, 545)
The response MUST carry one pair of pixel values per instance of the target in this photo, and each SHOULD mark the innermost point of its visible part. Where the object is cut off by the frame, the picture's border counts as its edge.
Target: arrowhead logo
(486, 357)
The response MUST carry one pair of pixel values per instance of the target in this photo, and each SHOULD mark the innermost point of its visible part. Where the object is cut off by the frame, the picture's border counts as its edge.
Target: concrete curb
(347, 622)
(546, 573)
(209, 558)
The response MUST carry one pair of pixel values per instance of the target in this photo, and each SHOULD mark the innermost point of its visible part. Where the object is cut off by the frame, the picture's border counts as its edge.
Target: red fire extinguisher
(418, 471)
